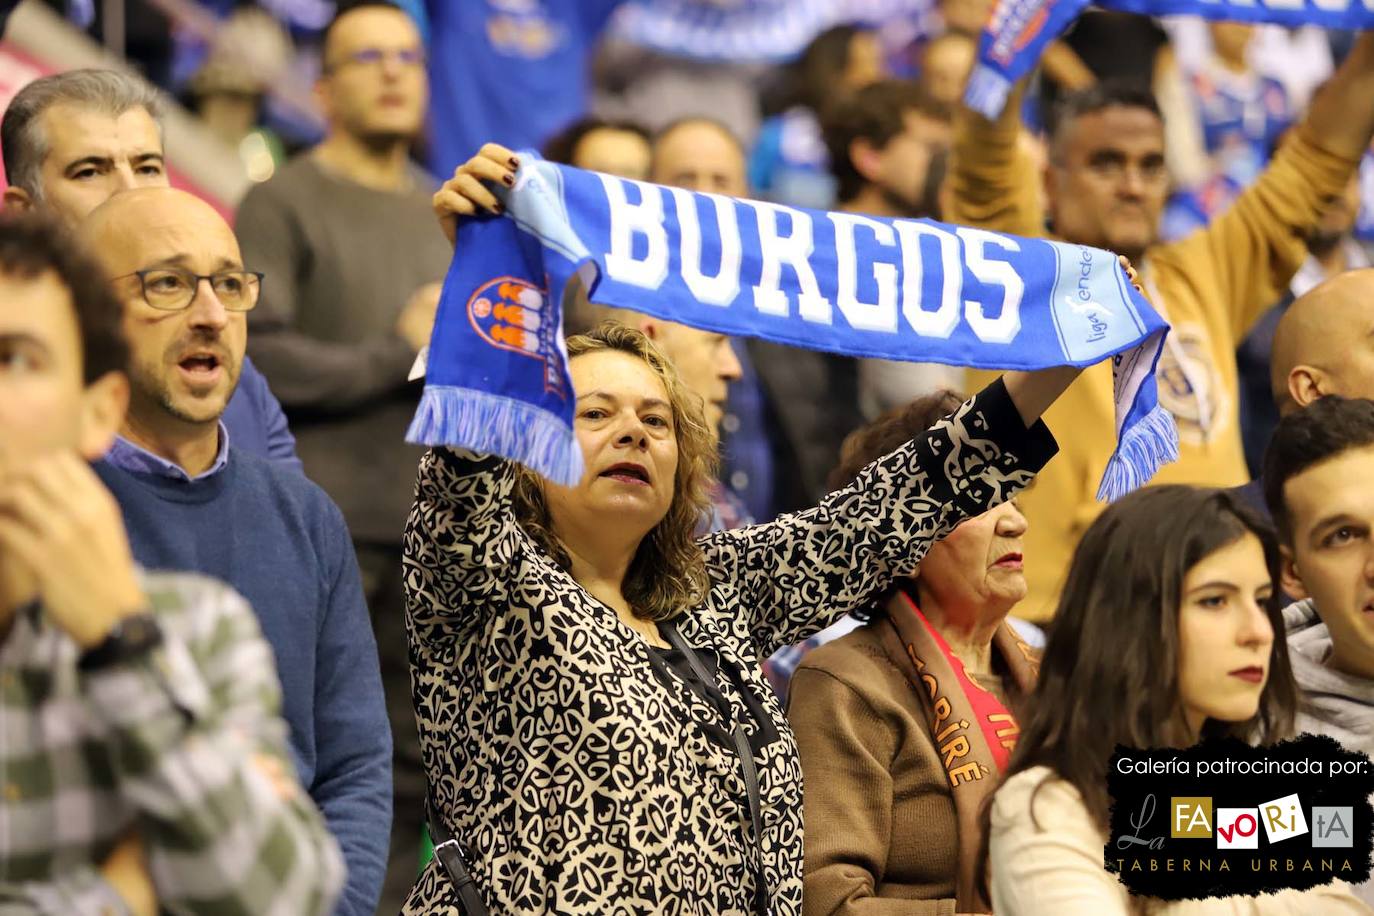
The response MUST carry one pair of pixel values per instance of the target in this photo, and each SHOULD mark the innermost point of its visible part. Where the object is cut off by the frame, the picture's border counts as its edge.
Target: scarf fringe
(986, 91)
(1145, 446)
(498, 425)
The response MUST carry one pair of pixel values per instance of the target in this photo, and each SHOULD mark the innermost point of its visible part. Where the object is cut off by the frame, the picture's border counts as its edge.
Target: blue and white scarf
(497, 376)
(1019, 30)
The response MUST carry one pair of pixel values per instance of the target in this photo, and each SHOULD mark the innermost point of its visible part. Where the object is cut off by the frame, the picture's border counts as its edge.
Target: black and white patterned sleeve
(806, 570)
(460, 542)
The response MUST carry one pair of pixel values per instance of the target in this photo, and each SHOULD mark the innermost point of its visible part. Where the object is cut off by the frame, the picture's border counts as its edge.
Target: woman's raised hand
(465, 194)
(1131, 274)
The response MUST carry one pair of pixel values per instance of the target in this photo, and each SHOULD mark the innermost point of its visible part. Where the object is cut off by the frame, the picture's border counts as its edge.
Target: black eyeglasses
(172, 289)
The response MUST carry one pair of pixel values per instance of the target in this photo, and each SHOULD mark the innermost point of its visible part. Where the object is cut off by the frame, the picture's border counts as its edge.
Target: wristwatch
(131, 637)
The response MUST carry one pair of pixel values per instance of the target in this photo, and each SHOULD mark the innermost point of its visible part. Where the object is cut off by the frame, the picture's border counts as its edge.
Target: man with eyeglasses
(353, 262)
(71, 140)
(192, 501)
(1104, 185)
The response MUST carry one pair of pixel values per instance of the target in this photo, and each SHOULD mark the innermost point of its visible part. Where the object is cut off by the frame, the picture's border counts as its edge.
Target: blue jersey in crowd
(510, 71)
(1243, 116)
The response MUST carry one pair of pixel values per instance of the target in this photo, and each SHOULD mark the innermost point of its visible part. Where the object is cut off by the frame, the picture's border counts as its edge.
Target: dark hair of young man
(32, 245)
(562, 145)
(1324, 429)
(817, 72)
(876, 113)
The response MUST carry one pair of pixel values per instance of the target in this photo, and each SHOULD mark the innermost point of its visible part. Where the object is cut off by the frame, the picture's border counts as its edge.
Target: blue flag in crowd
(1019, 31)
(512, 72)
(772, 30)
(497, 379)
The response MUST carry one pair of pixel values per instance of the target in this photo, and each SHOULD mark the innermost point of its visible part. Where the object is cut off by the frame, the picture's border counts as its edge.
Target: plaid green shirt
(162, 746)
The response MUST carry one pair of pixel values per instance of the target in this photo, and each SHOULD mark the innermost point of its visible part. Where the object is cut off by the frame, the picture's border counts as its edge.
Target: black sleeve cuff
(983, 454)
(1030, 447)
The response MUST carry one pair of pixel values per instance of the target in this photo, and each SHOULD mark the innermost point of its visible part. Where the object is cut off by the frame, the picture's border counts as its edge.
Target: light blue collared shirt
(129, 457)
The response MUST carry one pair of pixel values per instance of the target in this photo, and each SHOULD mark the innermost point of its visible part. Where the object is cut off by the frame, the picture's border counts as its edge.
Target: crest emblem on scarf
(512, 314)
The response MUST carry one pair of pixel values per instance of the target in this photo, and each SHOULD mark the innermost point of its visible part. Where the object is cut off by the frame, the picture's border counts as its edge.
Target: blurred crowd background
(242, 72)
(829, 104)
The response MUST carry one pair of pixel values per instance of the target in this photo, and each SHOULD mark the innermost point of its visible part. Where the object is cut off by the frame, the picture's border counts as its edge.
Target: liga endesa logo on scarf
(1224, 818)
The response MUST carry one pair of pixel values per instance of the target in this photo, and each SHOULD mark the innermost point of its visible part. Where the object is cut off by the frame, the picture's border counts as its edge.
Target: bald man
(1324, 343)
(192, 501)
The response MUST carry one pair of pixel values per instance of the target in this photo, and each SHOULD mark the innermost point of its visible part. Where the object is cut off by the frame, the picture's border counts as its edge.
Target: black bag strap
(746, 757)
(455, 858)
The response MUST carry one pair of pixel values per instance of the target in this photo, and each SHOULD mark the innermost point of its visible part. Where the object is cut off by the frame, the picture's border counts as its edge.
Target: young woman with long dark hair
(1164, 636)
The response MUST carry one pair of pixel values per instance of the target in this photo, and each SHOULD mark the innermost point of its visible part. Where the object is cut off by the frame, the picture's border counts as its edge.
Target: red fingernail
(509, 180)
(514, 162)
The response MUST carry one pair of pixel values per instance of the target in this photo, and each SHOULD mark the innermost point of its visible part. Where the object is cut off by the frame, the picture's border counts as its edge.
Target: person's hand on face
(46, 407)
(465, 195)
(61, 526)
(416, 321)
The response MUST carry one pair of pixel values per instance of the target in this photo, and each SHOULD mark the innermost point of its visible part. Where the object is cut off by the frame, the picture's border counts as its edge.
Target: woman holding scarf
(1167, 632)
(596, 728)
(918, 700)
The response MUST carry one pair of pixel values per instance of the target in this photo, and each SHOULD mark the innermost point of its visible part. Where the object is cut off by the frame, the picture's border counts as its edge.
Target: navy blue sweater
(279, 540)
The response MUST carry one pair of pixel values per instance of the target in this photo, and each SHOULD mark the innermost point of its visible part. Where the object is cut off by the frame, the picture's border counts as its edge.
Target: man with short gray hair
(71, 141)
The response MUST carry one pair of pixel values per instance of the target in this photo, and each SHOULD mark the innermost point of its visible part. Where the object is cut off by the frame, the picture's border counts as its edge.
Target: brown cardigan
(881, 834)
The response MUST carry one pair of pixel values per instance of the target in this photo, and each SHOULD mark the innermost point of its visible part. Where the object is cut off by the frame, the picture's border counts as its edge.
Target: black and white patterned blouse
(588, 780)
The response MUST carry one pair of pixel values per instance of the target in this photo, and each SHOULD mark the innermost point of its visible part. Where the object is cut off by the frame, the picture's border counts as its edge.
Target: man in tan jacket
(1105, 185)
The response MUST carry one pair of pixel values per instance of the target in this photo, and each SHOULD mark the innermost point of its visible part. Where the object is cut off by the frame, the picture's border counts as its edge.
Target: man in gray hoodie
(1319, 486)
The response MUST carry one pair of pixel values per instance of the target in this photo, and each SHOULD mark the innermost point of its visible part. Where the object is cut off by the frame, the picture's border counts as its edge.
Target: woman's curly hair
(668, 573)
